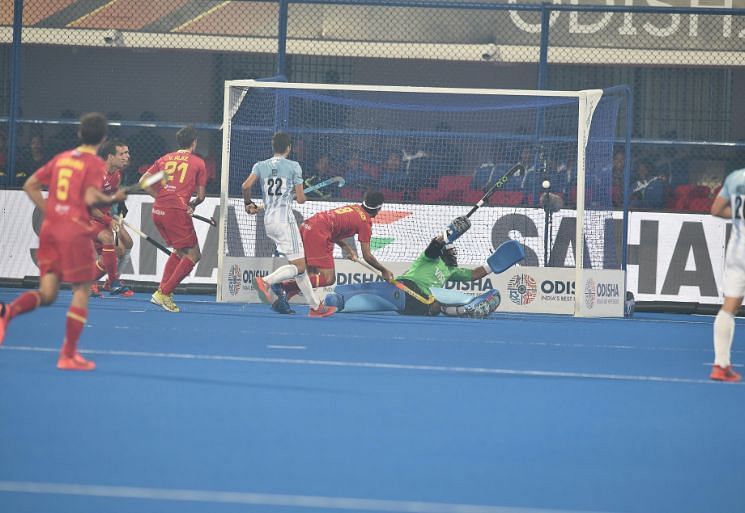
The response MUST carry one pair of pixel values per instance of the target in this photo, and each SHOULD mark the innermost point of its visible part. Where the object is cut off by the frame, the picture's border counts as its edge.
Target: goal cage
(433, 152)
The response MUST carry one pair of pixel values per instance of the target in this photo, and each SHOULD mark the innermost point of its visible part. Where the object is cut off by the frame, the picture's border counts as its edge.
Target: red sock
(108, 257)
(316, 280)
(171, 265)
(74, 325)
(26, 302)
(181, 272)
(100, 270)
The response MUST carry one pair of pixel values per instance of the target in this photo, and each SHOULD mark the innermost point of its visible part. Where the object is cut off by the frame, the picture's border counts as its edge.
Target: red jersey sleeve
(364, 233)
(44, 173)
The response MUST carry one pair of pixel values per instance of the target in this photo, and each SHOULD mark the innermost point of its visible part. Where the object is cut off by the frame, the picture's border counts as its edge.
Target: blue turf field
(227, 408)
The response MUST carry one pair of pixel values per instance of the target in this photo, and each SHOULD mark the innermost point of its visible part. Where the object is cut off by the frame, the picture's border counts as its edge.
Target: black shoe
(282, 306)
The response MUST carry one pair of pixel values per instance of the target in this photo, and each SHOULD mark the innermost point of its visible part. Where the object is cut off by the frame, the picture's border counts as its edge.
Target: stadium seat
(506, 198)
(429, 195)
(391, 196)
(452, 187)
(691, 197)
(352, 193)
(700, 205)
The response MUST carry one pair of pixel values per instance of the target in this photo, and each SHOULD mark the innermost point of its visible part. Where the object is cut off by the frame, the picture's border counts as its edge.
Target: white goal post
(433, 151)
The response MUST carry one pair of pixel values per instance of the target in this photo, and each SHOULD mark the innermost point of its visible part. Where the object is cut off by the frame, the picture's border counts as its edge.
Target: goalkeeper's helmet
(450, 255)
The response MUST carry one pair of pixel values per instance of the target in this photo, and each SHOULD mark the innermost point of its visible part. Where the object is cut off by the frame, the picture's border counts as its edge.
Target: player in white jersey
(281, 181)
(730, 204)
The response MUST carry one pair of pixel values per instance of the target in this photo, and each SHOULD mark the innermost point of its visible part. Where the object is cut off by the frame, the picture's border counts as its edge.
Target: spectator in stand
(355, 173)
(321, 171)
(30, 159)
(392, 173)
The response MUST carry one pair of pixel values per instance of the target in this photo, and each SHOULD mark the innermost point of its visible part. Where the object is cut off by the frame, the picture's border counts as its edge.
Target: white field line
(382, 365)
(261, 499)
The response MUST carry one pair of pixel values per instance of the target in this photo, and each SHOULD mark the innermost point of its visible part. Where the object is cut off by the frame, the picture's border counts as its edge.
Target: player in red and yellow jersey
(186, 177)
(115, 154)
(321, 231)
(66, 251)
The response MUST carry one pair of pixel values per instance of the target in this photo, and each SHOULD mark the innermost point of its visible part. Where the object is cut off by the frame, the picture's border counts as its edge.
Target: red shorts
(319, 248)
(66, 250)
(175, 226)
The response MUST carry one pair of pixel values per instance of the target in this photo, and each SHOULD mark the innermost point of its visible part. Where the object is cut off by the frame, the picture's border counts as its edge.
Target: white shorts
(733, 280)
(286, 236)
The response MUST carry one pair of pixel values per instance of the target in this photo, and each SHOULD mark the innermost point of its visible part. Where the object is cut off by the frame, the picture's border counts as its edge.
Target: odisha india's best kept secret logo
(590, 293)
(234, 279)
(522, 289)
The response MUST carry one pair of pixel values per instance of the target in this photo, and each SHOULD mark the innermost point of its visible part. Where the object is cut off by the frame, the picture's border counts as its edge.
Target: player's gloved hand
(119, 209)
(251, 208)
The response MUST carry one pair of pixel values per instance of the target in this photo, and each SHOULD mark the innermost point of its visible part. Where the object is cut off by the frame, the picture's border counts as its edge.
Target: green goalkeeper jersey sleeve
(428, 272)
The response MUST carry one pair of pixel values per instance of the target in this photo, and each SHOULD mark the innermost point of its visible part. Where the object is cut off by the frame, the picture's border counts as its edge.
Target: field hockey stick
(146, 182)
(209, 220)
(338, 180)
(425, 300)
(147, 238)
(460, 224)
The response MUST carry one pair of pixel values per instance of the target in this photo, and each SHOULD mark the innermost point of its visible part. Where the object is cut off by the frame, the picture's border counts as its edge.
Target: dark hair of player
(372, 202)
(280, 142)
(186, 137)
(109, 148)
(93, 127)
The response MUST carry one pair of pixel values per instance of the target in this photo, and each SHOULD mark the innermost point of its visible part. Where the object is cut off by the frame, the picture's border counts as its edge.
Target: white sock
(286, 272)
(724, 331)
(303, 282)
(124, 260)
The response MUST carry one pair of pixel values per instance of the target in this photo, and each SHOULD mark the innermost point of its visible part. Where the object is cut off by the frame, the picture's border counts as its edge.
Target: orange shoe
(263, 289)
(77, 362)
(322, 311)
(95, 291)
(3, 321)
(724, 374)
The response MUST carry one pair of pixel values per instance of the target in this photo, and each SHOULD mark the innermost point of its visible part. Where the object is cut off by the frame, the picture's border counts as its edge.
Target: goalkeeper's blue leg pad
(507, 254)
(481, 306)
(334, 299)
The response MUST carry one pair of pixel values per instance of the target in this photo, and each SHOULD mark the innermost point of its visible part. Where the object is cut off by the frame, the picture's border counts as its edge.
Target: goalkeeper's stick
(461, 224)
(147, 238)
(426, 300)
(146, 182)
(497, 185)
(338, 180)
(209, 220)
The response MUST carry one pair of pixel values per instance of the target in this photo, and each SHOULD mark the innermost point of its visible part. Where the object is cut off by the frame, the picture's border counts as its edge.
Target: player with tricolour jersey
(281, 181)
(730, 204)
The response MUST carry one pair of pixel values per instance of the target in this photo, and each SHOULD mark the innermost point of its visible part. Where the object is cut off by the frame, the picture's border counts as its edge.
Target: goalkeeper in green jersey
(435, 266)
